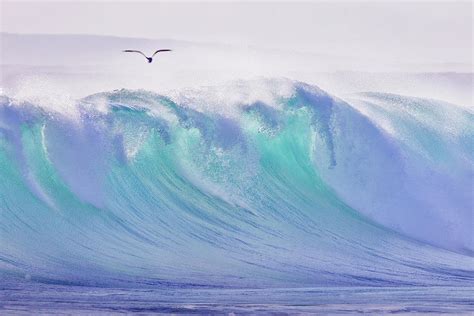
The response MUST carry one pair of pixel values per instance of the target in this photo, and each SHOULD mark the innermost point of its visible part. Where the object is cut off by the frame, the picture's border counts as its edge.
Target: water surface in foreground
(28, 297)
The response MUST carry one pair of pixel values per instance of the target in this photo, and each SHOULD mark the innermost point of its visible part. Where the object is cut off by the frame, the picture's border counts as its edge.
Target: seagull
(150, 59)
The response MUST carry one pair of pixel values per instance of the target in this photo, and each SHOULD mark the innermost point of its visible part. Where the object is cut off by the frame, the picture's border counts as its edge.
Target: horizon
(227, 45)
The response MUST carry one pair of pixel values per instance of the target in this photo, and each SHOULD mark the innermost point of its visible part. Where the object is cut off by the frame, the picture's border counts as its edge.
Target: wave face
(271, 183)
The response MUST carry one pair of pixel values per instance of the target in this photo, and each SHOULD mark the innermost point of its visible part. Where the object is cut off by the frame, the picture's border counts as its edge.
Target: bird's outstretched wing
(134, 51)
(161, 50)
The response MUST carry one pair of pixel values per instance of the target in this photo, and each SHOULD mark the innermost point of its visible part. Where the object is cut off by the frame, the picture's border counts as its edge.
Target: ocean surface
(268, 196)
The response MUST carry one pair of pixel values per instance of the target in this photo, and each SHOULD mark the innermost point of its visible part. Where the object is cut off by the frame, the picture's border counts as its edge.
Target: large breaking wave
(266, 183)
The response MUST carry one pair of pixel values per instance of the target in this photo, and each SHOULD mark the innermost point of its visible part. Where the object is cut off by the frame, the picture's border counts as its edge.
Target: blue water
(294, 202)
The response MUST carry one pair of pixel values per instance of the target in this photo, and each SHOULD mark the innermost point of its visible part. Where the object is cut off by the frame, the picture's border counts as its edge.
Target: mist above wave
(80, 65)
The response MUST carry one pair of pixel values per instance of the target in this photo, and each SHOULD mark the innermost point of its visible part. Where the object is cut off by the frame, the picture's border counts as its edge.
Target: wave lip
(281, 185)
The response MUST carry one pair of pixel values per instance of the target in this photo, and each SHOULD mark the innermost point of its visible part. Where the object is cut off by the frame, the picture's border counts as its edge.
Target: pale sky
(402, 31)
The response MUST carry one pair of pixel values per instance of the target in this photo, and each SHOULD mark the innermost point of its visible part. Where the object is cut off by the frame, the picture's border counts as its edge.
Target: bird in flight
(150, 59)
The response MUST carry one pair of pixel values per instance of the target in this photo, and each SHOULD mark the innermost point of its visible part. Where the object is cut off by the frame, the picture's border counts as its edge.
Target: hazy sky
(403, 31)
